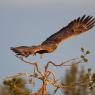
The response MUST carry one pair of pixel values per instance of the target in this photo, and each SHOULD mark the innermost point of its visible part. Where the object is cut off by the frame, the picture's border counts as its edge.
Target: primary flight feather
(74, 28)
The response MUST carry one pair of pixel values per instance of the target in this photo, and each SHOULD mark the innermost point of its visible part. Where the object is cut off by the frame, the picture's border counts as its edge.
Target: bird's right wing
(75, 27)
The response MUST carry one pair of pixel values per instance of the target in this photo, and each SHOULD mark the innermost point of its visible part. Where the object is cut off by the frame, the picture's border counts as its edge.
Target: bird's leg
(41, 56)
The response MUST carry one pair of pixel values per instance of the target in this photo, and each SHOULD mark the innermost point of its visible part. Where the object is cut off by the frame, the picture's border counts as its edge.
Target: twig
(63, 63)
(59, 85)
(35, 64)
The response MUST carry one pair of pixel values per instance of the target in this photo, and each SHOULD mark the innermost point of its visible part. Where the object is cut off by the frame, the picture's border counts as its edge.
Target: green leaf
(82, 49)
(89, 69)
(82, 56)
(87, 52)
(85, 60)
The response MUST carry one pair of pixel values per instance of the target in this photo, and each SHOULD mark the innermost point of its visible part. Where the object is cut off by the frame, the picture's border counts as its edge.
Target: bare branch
(63, 63)
(35, 64)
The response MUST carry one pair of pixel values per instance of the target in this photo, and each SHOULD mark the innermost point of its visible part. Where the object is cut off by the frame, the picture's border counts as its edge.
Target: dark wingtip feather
(91, 22)
(87, 21)
(78, 19)
(82, 18)
(88, 18)
(11, 48)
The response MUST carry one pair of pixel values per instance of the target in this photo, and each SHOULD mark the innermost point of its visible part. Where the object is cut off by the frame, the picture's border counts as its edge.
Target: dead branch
(35, 64)
(44, 76)
(64, 63)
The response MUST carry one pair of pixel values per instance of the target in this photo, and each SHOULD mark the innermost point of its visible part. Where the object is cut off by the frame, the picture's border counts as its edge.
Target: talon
(41, 56)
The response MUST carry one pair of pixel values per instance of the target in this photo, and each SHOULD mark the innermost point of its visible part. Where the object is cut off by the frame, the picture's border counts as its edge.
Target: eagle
(74, 28)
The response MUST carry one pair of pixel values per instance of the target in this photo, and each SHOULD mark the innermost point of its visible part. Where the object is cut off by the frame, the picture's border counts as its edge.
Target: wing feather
(75, 27)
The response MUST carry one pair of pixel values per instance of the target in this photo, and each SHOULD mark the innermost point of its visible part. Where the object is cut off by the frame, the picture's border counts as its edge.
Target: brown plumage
(75, 27)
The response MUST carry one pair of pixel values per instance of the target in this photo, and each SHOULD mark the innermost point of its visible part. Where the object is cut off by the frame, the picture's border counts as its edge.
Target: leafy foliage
(15, 86)
(80, 82)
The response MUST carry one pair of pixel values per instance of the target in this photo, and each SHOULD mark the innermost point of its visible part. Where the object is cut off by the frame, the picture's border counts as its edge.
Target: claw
(41, 56)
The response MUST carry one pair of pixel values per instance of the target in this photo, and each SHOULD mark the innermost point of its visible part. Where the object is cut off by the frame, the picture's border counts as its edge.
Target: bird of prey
(74, 28)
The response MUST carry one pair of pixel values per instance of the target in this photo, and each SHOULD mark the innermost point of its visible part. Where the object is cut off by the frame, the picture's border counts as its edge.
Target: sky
(29, 22)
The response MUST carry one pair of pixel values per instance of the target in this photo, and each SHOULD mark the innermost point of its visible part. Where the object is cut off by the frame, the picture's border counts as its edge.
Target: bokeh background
(29, 22)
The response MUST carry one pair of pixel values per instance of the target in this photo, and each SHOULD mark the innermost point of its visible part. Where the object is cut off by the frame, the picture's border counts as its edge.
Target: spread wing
(75, 27)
